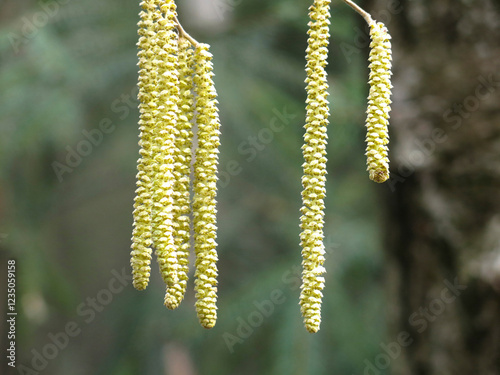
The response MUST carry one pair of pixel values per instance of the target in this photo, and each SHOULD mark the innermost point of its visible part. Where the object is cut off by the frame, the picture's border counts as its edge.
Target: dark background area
(68, 67)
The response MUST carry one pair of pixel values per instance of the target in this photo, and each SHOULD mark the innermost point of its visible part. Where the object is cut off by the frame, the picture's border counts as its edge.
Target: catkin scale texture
(141, 237)
(379, 101)
(166, 49)
(182, 169)
(314, 167)
(205, 188)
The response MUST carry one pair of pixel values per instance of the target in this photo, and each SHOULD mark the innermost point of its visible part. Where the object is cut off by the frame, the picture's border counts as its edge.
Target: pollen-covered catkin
(164, 149)
(141, 238)
(182, 169)
(314, 167)
(174, 71)
(205, 188)
(379, 101)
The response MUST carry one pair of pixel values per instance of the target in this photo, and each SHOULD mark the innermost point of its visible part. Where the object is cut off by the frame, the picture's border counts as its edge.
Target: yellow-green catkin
(141, 238)
(314, 178)
(205, 188)
(182, 169)
(379, 101)
(164, 149)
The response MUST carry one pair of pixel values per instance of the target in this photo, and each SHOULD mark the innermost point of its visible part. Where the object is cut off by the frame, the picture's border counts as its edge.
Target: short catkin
(379, 101)
(141, 238)
(314, 167)
(205, 188)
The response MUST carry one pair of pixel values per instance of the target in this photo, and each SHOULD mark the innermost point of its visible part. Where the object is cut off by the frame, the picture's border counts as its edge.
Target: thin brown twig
(358, 9)
(184, 34)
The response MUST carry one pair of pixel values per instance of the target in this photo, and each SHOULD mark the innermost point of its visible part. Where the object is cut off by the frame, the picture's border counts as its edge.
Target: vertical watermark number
(11, 312)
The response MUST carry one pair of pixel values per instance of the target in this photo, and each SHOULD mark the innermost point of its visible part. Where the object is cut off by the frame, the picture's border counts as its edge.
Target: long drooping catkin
(379, 102)
(141, 239)
(313, 180)
(164, 149)
(205, 188)
(182, 169)
(173, 68)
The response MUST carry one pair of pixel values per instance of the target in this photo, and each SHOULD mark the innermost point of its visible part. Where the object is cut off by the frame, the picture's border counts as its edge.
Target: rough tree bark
(443, 199)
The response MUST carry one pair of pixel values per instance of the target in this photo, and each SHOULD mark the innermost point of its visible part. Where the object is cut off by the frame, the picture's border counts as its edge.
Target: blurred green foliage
(69, 74)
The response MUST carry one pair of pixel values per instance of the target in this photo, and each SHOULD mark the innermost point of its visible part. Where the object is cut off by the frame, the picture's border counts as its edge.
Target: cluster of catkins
(315, 141)
(177, 96)
(176, 91)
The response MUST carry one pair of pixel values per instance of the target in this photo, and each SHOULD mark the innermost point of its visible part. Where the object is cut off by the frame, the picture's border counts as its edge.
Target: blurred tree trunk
(443, 199)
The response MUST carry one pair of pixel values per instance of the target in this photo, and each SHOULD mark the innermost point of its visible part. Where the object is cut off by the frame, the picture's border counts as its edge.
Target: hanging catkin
(182, 169)
(141, 238)
(164, 149)
(205, 188)
(379, 102)
(314, 167)
(173, 68)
